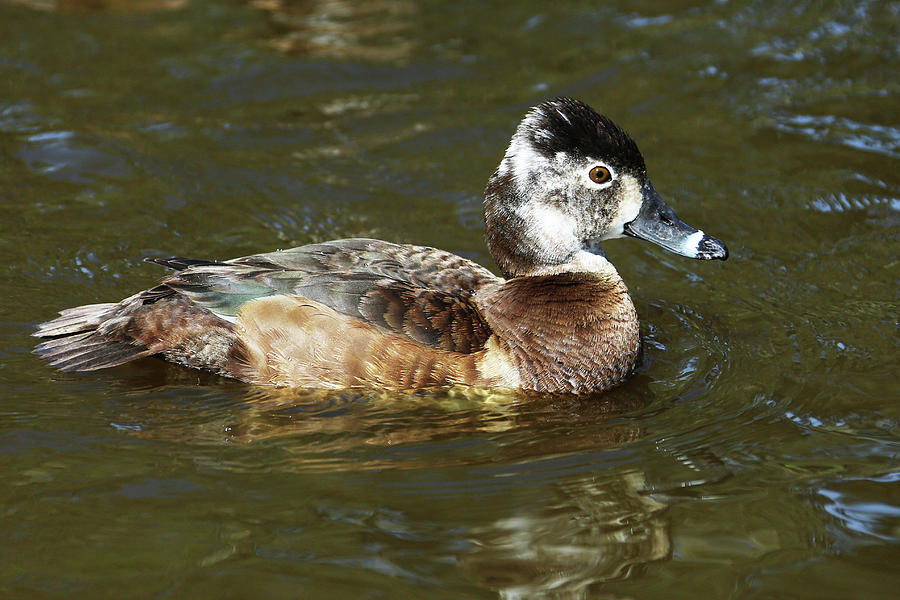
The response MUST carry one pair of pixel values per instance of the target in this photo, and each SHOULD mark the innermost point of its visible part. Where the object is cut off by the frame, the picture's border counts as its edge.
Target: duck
(366, 313)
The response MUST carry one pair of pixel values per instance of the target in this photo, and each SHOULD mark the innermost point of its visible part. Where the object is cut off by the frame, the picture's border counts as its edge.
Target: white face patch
(551, 232)
(630, 200)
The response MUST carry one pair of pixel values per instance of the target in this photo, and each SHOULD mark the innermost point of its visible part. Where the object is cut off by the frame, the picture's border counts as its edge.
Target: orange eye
(600, 175)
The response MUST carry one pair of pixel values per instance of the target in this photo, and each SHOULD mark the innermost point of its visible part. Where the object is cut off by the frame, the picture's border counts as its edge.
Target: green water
(754, 455)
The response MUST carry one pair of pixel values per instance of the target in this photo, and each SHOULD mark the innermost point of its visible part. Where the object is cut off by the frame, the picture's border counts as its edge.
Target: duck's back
(421, 293)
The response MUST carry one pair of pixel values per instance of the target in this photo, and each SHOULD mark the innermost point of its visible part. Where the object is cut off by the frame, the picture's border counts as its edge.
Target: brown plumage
(367, 313)
(586, 324)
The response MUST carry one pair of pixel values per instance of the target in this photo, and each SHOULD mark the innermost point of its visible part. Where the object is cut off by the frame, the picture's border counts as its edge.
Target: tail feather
(179, 264)
(75, 320)
(75, 344)
(90, 352)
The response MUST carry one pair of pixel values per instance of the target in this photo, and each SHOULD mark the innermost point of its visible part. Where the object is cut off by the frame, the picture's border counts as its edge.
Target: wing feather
(421, 293)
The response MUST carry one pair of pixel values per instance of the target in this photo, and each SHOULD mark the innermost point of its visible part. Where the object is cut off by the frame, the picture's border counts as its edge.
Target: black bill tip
(710, 248)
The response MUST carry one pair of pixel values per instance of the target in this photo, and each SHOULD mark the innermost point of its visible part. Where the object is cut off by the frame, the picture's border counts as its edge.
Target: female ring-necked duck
(368, 313)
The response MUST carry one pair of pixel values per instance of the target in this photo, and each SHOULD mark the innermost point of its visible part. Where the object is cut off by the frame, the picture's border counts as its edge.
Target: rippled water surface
(754, 455)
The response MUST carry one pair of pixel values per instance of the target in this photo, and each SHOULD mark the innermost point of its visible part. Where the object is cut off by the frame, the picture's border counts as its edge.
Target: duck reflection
(592, 532)
(227, 411)
(594, 528)
(376, 30)
(326, 429)
(99, 6)
(370, 30)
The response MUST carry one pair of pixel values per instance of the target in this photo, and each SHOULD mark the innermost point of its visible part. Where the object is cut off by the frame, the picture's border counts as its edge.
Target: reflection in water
(593, 532)
(91, 6)
(67, 156)
(315, 430)
(597, 528)
(372, 30)
(376, 30)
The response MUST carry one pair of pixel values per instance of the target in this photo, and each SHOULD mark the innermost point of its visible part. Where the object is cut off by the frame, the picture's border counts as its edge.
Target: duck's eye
(600, 175)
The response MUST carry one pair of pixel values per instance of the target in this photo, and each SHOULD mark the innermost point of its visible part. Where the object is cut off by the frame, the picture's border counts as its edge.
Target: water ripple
(870, 137)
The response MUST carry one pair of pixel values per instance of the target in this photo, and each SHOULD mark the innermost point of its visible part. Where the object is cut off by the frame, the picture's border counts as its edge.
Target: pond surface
(754, 455)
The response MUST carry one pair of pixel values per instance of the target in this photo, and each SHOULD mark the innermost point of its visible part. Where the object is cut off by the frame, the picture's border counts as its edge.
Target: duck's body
(367, 313)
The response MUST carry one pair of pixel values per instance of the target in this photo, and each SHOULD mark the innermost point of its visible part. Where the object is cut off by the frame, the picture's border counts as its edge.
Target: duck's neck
(525, 237)
(566, 332)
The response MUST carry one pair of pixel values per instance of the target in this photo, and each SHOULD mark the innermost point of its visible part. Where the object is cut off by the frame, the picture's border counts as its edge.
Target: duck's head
(570, 179)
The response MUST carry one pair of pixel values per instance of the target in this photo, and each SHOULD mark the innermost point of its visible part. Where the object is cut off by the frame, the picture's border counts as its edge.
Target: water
(754, 455)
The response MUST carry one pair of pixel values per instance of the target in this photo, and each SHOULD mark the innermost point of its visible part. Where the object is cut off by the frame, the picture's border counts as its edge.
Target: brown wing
(435, 318)
(420, 293)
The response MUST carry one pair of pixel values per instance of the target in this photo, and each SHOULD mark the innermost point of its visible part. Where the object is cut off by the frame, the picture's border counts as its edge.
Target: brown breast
(567, 332)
